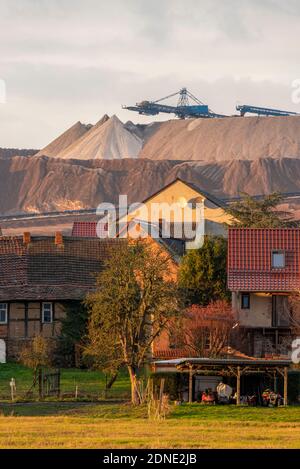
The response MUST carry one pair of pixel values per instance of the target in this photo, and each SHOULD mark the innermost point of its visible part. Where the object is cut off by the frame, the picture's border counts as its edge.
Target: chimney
(26, 238)
(59, 238)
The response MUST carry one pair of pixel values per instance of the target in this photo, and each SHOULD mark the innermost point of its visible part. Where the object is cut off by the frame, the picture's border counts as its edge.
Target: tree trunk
(112, 380)
(135, 396)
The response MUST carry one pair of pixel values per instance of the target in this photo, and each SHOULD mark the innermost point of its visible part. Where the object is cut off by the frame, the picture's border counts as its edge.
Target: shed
(232, 367)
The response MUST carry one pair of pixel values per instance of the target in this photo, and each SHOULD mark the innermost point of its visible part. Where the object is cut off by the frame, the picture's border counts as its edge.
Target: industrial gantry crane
(183, 109)
(263, 111)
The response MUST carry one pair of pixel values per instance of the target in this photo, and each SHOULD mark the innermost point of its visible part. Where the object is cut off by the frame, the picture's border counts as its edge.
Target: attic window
(278, 259)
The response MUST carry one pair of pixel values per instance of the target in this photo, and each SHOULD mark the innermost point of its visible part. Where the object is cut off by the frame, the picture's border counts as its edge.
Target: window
(3, 313)
(207, 344)
(47, 312)
(245, 303)
(278, 259)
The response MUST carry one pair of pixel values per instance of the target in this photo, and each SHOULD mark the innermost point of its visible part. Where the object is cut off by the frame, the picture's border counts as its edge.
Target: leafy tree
(135, 298)
(250, 212)
(202, 274)
(73, 331)
(102, 346)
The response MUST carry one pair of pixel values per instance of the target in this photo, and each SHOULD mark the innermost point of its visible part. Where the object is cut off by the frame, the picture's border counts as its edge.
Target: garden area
(87, 384)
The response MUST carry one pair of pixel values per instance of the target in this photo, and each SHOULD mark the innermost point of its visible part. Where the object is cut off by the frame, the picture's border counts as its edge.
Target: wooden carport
(228, 367)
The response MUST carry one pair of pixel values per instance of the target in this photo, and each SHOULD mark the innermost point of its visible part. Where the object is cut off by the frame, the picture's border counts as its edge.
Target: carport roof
(180, 362)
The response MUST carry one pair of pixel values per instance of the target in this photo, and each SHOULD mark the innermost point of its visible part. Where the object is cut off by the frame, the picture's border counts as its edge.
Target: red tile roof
(45, 270)
(88, 229)
(250, 259)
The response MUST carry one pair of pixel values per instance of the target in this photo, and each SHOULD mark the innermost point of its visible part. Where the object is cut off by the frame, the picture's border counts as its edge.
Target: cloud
(64, 60)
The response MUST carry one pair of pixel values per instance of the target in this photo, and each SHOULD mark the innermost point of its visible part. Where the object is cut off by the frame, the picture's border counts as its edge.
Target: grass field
(102, 425)
(113, 424)
(90, 384)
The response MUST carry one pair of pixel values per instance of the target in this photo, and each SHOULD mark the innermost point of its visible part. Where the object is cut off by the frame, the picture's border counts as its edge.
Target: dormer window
(278, 259)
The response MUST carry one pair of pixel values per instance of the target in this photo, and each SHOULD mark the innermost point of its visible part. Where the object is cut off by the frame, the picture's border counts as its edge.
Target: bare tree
(292, 312)
(207, 329)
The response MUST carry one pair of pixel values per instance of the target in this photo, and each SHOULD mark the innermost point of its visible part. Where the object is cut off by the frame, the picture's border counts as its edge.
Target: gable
(176, 196)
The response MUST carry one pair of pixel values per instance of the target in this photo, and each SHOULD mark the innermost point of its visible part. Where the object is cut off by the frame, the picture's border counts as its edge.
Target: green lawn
(103, 425)
(91, 384)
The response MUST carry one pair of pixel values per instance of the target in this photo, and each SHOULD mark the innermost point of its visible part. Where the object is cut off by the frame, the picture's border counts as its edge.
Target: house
(263, 270)
(177, 216)
(178, 211)
(40, 275)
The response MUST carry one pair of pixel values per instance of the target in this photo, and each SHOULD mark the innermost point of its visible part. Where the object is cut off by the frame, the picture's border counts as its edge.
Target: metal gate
(50, 383)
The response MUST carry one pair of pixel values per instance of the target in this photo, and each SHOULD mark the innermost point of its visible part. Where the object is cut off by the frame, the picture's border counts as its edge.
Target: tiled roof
(165, 354)
(45, 270)
(44, 292)
(250, 259)
(88, 229)
(185, 230)
(176, 247)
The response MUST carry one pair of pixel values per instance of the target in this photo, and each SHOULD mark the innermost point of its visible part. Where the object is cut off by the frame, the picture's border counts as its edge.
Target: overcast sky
(69, 60)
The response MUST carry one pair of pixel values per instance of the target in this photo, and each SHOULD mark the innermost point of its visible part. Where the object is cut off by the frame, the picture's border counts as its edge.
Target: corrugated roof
(223, 361)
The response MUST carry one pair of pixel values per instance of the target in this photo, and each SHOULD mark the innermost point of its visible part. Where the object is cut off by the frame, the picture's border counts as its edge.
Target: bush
(294, 387)
(172, 384)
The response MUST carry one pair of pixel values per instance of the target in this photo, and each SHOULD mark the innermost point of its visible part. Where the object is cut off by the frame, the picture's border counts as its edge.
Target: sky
(67, 60)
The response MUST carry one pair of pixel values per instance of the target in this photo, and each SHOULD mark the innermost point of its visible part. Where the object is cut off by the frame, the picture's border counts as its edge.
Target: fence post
(40, 380)
(191, 385)
(285, 386)
(58, 383)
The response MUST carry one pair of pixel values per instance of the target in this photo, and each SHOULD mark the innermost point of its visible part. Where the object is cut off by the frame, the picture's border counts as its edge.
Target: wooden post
(161, 394)
(191, 385)
(275, 383)
(40, 379)
(285, 386)
(238, 386)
